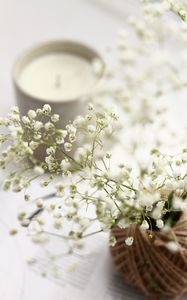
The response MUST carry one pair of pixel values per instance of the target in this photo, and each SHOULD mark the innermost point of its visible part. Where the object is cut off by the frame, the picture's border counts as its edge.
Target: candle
(57, 76)
(58, 73)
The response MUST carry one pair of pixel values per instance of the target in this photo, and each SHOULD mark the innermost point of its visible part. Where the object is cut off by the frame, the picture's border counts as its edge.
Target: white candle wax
(61, 73)
(57, 76)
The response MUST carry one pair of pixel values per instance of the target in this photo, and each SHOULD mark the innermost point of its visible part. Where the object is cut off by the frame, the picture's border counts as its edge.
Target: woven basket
(148, 265)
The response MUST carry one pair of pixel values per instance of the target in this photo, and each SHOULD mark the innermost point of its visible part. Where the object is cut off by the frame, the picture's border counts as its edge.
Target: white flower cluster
(178, 7)
(39, 128)
(154, 199)
(89, 191)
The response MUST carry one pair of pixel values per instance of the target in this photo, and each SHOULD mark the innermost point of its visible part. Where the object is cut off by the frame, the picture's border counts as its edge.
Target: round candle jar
(59, 73)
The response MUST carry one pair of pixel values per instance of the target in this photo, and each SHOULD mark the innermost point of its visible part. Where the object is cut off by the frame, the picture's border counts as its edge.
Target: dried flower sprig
(94, 195)
(38, 131)
(150, 67)
(99, 198)
(150, 70)
(177, 7)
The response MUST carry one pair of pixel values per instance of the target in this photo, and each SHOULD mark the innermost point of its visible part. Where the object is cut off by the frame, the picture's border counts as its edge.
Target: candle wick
(58, 81)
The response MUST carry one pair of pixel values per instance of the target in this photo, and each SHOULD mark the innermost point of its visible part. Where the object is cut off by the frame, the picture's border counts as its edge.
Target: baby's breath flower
(15, 109)
(31, 114)
(59, 140)
(129, 241)
(84, 223)
(182, 13)
(79, 121)
(44, 183)
(38, 170)
(7, 185)
(178, 203)
(90, 106)
(39, 111)
(33, 145)
(124, 197)
(60, 190)
(71, 129)
(63, 133)
(55, 118)
(71, 212)
(64, 165)
(173, 246)
(160, 223)
(49, 159)
(38, 125)
(58, 224)
(4, 121)
(46, 109)
(22, 215)
(49, 126)
(37, 136)
(68, 147)
(72, 138)
(91, 128)
(122, 223)
(144, 225)
(25, 222)
(50, 150)
(112, 241)
(156, 213)
(184, 156)
(40, 238)
(2, 138)
(170, 184)
(40, 203)
(13, 231)
(25, 120)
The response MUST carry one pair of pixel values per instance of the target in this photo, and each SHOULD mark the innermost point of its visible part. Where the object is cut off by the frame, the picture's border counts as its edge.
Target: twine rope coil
(148, 264)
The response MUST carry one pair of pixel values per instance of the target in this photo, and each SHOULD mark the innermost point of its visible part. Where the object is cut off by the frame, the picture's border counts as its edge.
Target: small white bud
(129, 241)
(55, 118)
(144, 225)
(47, 108)
(156, 214)
(25, 120)
(64, 165)
(91, 128)
(173, 246)
(48, 126)
(79, 121)
(40, 203)
(112, 241)
(159, 223)
(32, 114)
(38, 170)
(67, 147)
(58, 224)
(38, 125)
(25, 222)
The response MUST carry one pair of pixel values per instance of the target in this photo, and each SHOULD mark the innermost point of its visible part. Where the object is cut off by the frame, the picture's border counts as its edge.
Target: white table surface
(24, 23)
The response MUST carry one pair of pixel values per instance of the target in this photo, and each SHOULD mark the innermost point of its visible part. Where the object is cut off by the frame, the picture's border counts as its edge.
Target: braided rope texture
(148, 265)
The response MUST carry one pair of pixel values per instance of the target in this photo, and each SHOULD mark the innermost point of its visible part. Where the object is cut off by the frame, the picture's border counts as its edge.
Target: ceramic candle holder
(59, 73)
